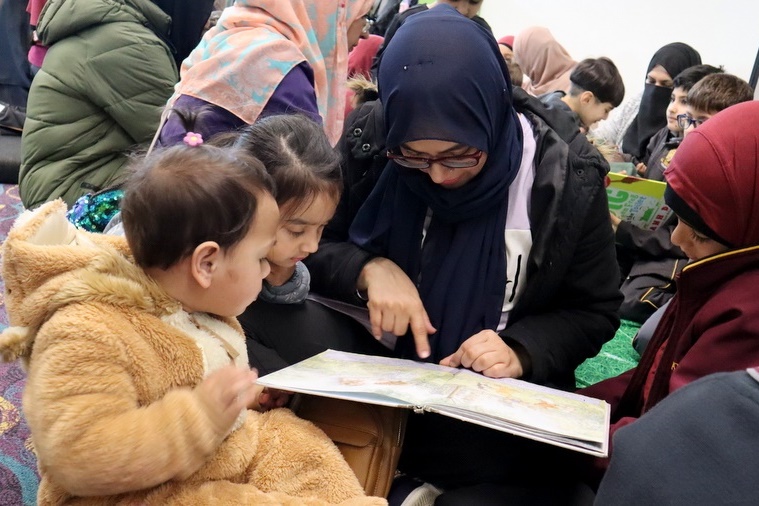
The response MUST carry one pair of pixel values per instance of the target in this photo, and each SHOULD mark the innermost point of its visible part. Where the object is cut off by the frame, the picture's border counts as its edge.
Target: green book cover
(639, 201)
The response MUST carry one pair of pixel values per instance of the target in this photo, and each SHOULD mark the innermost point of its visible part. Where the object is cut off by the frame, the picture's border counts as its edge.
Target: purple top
(294, 94)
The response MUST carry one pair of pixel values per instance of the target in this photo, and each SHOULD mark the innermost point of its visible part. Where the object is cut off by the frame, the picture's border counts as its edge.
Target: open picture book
(637, 200)
(544, 414)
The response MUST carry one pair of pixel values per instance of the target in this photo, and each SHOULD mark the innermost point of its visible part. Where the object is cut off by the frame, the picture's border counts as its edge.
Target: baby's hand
(226, 392)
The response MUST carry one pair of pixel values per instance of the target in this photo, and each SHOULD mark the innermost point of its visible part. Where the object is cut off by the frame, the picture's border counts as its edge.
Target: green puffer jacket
(100, 92)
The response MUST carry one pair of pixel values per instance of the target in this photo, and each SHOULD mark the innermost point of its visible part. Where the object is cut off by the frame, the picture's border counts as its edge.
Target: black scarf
(652, 114)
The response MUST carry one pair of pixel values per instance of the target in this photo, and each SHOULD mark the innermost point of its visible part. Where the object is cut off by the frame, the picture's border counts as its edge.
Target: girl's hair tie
(193, 139)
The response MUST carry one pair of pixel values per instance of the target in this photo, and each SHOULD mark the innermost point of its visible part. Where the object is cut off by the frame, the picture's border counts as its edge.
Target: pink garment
(360, 59)
(507, 40)
(37, 51)
(37, 54)
(241, 61)
(543, 60)
(34, 7)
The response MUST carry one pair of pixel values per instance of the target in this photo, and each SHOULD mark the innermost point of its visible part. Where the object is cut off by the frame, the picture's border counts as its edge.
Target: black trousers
(279, 335)
(483, 466)
(563, 494)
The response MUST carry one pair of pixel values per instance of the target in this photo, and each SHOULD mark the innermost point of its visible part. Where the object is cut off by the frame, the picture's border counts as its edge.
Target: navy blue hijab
(443, 78)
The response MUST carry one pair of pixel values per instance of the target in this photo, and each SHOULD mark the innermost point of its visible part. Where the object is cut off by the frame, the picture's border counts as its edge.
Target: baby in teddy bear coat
(138, 388)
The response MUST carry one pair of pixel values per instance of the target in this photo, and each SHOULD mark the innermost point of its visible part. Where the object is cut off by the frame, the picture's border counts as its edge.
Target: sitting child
(662, 146)
(711, 95)
(595, 88)
(648, 260)
(711, 323)
(138, 383)
(306, 171)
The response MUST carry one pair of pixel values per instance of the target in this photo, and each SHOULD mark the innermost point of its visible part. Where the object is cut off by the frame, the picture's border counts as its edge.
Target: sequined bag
(93, 211)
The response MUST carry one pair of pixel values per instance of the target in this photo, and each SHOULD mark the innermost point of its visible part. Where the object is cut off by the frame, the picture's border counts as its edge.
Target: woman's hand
(486, 353)
(394, 303)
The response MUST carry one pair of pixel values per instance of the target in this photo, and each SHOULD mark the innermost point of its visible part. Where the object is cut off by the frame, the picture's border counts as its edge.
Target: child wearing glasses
(711, 95)
(662, 146)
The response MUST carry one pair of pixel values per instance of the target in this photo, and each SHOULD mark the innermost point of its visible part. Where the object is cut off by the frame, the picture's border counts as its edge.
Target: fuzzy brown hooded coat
(110, 394)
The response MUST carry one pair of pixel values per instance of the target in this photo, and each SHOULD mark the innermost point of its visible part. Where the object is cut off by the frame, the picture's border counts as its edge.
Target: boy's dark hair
(717, 92)
(298, 155)
(179, 197)
(599, 76)
(690, 76)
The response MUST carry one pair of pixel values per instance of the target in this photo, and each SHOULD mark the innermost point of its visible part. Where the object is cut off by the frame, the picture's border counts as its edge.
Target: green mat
(615, 357)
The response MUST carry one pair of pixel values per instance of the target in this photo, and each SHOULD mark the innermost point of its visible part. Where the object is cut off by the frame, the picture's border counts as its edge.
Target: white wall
(629, 32)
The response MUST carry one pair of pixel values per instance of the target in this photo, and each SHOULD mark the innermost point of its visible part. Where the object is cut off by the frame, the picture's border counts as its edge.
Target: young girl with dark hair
(306, 170)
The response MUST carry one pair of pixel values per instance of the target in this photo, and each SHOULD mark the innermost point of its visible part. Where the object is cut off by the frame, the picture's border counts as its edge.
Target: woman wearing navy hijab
(484, 236)
(475, 135)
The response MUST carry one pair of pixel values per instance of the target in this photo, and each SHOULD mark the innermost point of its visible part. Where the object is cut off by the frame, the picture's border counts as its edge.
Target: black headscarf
(652, 117)
(188, 17)
(443, 78)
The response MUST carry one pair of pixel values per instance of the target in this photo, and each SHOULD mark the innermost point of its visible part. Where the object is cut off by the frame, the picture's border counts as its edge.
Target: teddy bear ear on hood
(713, 179)
(41, 247)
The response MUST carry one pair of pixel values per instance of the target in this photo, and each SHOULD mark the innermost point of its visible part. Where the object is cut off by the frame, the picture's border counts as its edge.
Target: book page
(458, 392)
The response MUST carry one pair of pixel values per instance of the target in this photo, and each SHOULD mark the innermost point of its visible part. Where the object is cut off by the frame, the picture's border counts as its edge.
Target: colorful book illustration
(639, 201)
(540, 413)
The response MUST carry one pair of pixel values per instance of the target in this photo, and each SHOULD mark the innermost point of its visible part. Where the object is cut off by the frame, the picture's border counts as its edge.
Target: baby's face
(240, 272)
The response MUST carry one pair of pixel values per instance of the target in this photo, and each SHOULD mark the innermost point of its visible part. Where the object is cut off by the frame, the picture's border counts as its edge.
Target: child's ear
(587, 97)
(205, 260)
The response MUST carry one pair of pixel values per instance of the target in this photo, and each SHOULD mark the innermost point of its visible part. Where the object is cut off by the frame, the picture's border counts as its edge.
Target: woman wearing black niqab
(673, 59)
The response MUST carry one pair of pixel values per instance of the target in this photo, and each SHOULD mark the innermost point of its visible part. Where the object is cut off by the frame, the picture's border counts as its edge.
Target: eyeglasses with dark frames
(684, 121)
(452, 162)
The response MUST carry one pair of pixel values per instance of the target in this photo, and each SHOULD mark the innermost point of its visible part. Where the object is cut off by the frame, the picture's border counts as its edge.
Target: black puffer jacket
(569, 306)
